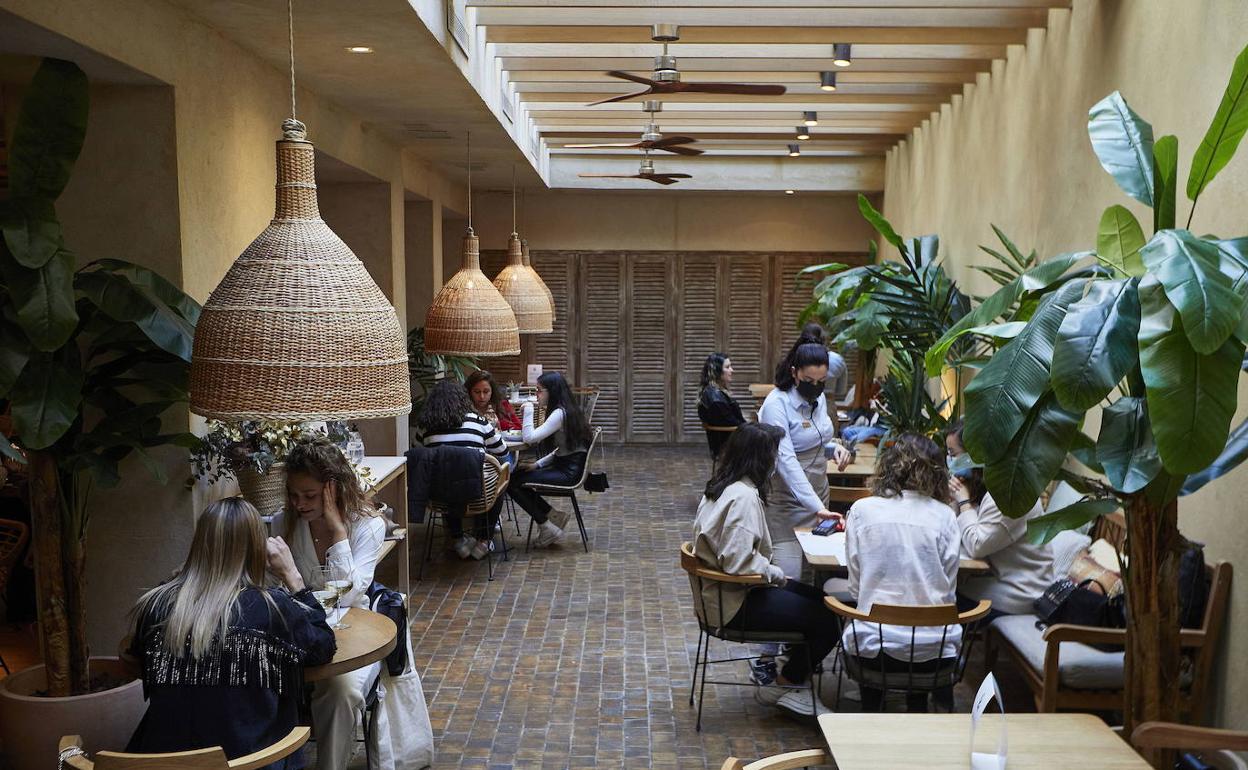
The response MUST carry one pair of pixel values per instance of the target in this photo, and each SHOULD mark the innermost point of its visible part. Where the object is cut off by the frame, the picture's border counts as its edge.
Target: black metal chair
(569, 491)
(495, 476)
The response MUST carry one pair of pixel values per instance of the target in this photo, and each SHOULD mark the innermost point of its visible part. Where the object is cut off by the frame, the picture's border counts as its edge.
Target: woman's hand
(959, 491)
(526, 465)
(526, 408)
(825, 514)
(333, 517)
(282, 564)
(842, 456)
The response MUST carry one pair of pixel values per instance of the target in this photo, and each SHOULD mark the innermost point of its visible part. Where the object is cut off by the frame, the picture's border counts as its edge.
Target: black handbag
(1069, 602)
(597, 482)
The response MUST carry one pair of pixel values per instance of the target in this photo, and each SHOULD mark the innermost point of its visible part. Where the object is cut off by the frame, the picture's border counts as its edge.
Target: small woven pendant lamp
(469, 317)
(297, 329)
(520, 285)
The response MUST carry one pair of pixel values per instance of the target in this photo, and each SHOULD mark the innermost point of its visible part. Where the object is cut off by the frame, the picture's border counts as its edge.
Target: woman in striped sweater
(449, 419)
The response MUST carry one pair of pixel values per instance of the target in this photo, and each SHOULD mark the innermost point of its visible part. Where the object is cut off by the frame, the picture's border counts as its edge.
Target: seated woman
(488, 401)
(715, 406)
(901, 545)
(568, 430)
(730, 535)
(450, 419)
(1020, 571)
(332, 527)
(223, 656)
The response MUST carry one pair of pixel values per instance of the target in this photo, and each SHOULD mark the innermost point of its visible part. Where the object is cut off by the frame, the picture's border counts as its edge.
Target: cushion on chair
(863, 673)
(1080, 667)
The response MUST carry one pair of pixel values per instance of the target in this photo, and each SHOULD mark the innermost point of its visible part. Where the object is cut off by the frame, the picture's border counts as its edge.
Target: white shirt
(1021, 571)
(356, 556)
(730, 535)
(902, 551)
(804, 427)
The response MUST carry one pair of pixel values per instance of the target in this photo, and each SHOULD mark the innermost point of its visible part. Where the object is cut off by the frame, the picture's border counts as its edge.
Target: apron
(784, 511)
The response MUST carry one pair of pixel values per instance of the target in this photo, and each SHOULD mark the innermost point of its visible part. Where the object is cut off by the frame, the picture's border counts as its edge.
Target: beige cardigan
(730, 535)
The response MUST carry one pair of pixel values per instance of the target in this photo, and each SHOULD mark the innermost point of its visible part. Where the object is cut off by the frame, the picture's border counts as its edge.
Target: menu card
(988, 691)
(535, 371)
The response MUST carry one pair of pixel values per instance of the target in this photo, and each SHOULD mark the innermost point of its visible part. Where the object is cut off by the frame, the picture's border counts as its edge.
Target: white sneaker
(482, 548)
(799, 702)
(464, 547)
(560, 518)
(547, 533)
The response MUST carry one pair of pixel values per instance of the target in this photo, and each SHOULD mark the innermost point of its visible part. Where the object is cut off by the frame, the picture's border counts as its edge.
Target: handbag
(597, 482)
(1069, 602)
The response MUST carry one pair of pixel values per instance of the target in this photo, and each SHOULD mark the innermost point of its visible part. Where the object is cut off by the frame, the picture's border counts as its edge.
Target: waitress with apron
(799, 492)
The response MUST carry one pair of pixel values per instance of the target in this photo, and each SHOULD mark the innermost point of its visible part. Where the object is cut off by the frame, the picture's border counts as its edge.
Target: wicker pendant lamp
(524, 257)
(520, 285)
(469, 317)
(297, 329)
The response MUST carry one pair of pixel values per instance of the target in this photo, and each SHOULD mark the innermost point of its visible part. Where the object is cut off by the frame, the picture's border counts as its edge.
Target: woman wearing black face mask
(800, 488)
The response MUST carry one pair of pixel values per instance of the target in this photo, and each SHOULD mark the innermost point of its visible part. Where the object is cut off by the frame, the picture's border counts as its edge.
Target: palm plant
(1155, 336)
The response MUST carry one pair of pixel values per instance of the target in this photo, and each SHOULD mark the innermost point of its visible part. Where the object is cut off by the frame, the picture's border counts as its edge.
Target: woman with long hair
(332, 528)
(901, 547)
(450, 418)
(215, 643)
(730, 534)
(488, 401)
(799, 408)
(565, 436)
(715, 406)
(1021, 571)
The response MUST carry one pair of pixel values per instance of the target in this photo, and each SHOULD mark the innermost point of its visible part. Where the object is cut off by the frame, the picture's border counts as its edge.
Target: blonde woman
(330, 523)
(213, 642)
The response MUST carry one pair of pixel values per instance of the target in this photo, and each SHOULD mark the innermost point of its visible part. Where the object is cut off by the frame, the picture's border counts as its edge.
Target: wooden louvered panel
(795, 295)
(650, 346)
(747, 328)
(551, 350)
(601, 337)
(698, 310)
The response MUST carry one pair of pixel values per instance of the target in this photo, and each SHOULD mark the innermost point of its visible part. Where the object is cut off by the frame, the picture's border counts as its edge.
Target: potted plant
(425, 369)
(90, 360)
(1157, 337)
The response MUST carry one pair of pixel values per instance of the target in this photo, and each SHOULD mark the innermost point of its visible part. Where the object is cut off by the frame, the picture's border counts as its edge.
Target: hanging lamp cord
(469, 181)
(292, 128)
(513, 199)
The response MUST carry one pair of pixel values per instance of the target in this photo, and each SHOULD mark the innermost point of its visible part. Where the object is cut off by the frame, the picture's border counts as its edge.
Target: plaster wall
(1013, 150)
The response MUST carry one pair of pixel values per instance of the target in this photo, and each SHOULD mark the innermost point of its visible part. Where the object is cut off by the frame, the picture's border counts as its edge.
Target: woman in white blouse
(329, 522)
(798, 407)
(901, 545)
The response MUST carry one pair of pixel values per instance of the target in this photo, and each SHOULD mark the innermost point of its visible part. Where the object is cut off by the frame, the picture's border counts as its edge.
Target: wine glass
(337, 580)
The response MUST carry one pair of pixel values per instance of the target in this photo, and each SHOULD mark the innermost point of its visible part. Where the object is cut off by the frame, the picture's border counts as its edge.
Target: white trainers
(547, 533)
(560, 518)
(482, 548)
(799, 702)
(463, 546)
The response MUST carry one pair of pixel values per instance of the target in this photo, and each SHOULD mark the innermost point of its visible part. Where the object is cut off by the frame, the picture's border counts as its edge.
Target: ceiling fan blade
(657, 178)
(669, 140)
(631, 145)
(677, 176)
(630, 76)
(619, 98)
(680, 150)
(607, 176)
(748, 89)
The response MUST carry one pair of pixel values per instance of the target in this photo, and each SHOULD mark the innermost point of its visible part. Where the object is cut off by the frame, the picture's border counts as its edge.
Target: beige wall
(1014, 151)
(664, 220)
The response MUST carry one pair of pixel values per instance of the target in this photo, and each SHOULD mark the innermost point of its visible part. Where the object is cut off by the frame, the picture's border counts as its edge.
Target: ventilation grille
(504, 99)
(424, 131)
(455, 25)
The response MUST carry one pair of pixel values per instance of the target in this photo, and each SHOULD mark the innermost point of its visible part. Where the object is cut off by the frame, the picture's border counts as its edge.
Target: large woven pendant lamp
(520, 285)
(297, 329)
(469, 317)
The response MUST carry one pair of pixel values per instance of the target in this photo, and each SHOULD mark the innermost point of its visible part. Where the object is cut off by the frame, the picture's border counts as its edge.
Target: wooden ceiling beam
(598, 135)
(755, 34)
(599, 16)
(692, 52)
(697, 102)
(602, 89)
(643, 65)
(769, 4)
(778, 130)
(850, 76)
(790, 120)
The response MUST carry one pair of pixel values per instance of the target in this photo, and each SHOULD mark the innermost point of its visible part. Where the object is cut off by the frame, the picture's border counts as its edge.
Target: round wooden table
(370, 638)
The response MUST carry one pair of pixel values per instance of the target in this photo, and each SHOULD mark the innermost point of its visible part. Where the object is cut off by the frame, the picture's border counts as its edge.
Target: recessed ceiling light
(810, 118)
(840, 55)
(803, 132)
(359, 49)
(789, 192)
(794, 150)
(827, 81)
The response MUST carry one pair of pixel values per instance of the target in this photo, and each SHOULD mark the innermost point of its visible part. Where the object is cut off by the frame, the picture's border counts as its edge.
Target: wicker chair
(13, 537)
(495, 476)
(200, 759)
(790, 760)
(568, 491)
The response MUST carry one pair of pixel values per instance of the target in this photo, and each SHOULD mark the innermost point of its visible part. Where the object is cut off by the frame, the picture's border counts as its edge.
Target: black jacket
(715, 407)
(448, 474)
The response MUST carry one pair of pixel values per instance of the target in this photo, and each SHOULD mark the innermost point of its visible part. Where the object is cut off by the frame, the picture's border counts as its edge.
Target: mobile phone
(828, 527)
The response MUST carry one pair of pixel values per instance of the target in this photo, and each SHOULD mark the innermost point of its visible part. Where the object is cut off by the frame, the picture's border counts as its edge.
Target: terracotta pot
(31, 726)
(266, 491)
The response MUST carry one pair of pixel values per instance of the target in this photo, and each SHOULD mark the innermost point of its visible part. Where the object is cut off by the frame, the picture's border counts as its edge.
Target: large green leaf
(1096, 343)
(31, 230)
(45, 398)
(124, 301)
(1165, 181)
(1190, 270)
(1233, 261)
(1118, 241)
(1123, 141)
(1224, 134)
(1125, 448)
(1042, 529)
(51, 126)
(1049, 272)
(1000, 397)
(1233, 454)
(14, 353)
(168, 293)
(1191, 396)
(1032, 458)
(1083, 449)
(44, 298)
(880, 224)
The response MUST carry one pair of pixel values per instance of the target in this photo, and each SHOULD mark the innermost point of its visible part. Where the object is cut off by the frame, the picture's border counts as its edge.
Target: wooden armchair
(201, 759)
(787, 761)
(1169, 735)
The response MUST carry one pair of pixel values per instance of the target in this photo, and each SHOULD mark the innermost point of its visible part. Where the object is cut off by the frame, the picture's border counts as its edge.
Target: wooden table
(831, 564)
(941, 742)
(370, 638)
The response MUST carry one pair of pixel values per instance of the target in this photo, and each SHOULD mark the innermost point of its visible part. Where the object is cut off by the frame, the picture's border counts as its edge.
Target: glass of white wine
(340, 583)
(326, 598)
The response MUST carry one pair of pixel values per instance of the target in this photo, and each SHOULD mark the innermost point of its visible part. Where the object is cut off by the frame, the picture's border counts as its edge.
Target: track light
(803, 132)
(359, 49)
(789, 192)
(827, 81)
(794, 150)
(840, 54)
(810, 118)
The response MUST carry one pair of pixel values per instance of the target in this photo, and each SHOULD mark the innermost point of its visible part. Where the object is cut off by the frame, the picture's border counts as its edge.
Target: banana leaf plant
(90, 360)
(1156, 340)
(425, 369)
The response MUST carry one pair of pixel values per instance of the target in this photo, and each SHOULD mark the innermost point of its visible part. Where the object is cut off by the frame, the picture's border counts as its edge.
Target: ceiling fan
(666, 78)
(646, 172)
(651, 138)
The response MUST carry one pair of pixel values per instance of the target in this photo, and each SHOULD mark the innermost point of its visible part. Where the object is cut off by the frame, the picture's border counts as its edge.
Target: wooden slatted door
(746, 333)
(648, 375)
(600, 340)
(552, 350)
(698, 317)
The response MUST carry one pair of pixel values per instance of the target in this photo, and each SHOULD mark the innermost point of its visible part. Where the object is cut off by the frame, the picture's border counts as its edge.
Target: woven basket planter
(524, 291)
(468, 316)
(550, 298)
(266, 491)
(298, 329)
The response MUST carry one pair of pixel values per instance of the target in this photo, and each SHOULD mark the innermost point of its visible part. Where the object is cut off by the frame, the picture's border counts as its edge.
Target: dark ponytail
(809, 350)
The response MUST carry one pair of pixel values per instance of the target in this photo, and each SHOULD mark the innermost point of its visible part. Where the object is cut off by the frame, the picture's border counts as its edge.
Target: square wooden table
(942, 742)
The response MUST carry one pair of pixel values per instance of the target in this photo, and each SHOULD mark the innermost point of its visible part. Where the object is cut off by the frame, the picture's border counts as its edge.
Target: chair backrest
(587, 399)
(787, 761)
(200, 759)
(1113, 528)
(13, 537)
(495, 476)
(848, 494)
(718, 428)
(589, 454)
(700, 575)
(1211, 625)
